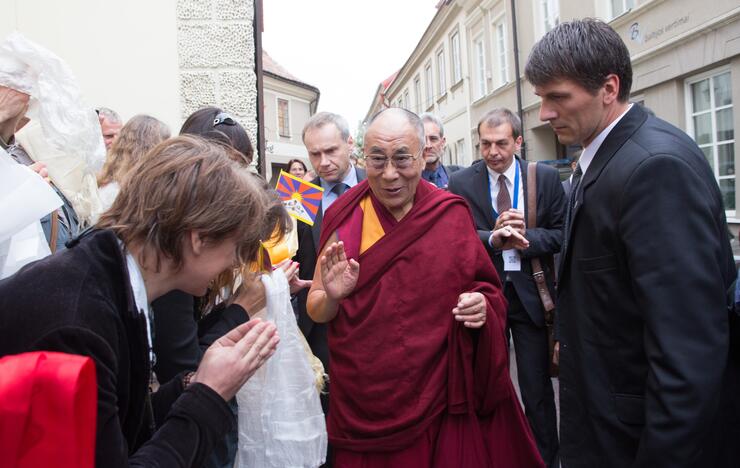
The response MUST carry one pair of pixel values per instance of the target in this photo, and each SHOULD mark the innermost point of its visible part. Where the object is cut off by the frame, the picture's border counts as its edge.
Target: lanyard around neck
(514, 196)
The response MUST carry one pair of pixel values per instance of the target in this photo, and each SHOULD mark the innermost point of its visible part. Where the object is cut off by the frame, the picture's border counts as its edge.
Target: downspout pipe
(518, 75)
(258, 26)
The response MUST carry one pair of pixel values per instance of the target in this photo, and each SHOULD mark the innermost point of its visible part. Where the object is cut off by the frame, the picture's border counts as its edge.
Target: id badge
(512, 261)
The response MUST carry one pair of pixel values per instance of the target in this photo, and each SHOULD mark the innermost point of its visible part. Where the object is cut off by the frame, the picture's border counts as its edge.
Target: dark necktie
(340, 188)
(503, 199)
(574, 184)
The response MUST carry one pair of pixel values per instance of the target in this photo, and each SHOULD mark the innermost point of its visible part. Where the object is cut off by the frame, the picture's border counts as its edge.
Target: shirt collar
(350, 179)
(510, 173)
(590, 151)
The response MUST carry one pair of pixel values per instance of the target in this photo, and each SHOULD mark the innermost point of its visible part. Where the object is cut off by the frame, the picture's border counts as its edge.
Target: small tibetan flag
(301, 198)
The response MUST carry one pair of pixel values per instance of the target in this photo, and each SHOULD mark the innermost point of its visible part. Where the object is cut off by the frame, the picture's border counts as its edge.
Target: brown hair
(189, 184)
(139, 135)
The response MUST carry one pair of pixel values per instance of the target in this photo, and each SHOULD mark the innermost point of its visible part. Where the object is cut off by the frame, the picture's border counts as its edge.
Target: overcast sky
(344, 47)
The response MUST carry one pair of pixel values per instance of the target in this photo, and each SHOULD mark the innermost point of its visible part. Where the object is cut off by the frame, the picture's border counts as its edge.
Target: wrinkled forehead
(387, 135)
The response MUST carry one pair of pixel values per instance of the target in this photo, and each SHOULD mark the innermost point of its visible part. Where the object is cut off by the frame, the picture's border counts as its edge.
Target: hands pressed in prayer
(236, 356)
(339, 275)
(290, 268)
(471, 309)
(512, 218)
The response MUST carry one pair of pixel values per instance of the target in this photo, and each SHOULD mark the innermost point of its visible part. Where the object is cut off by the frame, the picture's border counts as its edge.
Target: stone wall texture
(215, 42)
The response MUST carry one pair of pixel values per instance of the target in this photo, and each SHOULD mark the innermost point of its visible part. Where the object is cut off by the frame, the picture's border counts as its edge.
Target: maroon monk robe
(411, 386)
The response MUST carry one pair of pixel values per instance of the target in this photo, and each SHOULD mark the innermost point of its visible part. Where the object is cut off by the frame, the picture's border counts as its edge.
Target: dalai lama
(416, 319)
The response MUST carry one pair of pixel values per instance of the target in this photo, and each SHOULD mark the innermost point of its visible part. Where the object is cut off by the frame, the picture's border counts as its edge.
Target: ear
(611, 89)
(444, 142)
(518, 143)
(196, 242)
(350, 141)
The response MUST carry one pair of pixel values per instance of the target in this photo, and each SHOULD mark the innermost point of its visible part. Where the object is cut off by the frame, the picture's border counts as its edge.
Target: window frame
(429, 84)
(712, 111)
(288, 117)
(456, 57)
(417, 93)
(441, 71)
(625, 9)
(500, 51)
(480, 68)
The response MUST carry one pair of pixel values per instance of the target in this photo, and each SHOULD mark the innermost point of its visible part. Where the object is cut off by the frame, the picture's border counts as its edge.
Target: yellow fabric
(372, 230)
(285, 248)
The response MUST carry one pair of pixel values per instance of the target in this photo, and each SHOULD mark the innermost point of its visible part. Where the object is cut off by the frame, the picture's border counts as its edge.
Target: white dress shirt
(510, 175)
(590, 151)
(329, 197)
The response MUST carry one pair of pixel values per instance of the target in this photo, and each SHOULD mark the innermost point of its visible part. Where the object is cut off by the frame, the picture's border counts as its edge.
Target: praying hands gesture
(338, 274)
(471, 309)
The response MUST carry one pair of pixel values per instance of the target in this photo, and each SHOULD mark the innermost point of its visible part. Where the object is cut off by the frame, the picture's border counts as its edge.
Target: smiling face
(498, 146)
(297, 170)
(390, 135)
(575, 114)
(328, 152)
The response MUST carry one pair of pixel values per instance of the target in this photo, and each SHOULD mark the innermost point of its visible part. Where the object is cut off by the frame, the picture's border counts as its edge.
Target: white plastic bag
(281, 424)
(68, 124)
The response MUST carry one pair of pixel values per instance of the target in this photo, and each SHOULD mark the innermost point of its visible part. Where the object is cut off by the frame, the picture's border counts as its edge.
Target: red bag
(48, 409)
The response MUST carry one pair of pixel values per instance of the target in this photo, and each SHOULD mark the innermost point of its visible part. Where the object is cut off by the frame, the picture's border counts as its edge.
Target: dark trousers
(532, 363)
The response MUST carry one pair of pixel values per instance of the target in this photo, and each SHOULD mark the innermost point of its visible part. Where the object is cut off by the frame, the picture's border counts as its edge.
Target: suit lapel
(622, 132)
(482, 193)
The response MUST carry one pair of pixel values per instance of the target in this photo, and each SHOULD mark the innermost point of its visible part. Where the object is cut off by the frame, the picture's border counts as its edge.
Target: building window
(502, 73)
(406, 99)
(710, 123)
(549, 14)
(417, 94)
(283, 117)
(441, 72)
(429, 83)
(456, 63)
(619, 7)
(480, 67)
(460, 152)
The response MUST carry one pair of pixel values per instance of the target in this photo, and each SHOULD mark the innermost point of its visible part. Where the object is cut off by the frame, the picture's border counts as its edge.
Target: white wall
(124, 54)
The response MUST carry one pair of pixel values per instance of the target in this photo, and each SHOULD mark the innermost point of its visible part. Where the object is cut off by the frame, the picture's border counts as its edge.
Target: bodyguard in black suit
(329, 144)
(500, 137)
(647, 375)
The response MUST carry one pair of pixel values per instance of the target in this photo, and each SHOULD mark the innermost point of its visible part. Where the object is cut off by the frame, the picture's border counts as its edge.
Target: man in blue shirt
(434, 171)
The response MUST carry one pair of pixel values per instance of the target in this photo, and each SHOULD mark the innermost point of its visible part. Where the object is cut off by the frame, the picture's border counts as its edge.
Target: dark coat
(472, 184)
(308, 244)
(79, 301)
(644, 369)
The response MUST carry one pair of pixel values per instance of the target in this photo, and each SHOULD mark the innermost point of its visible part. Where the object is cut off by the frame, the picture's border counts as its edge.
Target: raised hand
(508, 237)
(338, 274)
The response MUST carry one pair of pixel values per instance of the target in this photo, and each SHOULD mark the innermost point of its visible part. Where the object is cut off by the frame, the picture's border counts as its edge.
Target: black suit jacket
(472, 184)
(644, 369)
(79, 301)
(308, 245)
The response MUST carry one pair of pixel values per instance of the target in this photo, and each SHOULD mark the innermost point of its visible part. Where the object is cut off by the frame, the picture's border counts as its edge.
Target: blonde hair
(139, 135)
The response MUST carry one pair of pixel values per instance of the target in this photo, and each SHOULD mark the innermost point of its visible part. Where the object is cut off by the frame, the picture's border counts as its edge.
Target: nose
(546, 114)
(389, 171)
(324, 160)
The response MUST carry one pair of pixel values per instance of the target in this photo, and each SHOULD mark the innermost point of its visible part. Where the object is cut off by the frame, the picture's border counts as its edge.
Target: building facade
(685, 57)
(289, 103)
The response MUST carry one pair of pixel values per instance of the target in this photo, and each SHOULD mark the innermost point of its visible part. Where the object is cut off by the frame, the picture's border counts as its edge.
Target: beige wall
(123, 58)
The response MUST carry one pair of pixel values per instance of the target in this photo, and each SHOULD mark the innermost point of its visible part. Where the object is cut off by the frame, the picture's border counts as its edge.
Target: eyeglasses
(399, 161)
(225, 119)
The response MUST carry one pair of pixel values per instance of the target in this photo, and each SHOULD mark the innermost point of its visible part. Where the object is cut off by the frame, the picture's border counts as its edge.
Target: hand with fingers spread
(338, 274)
(471, 309)
(236, 356)
(290, 268)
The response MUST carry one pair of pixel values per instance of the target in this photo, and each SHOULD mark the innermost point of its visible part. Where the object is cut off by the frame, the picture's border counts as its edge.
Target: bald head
(396, 115)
